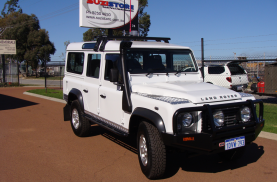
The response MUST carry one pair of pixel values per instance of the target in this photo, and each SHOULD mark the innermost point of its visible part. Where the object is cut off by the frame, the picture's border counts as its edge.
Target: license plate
(239, 87)
(234, 143)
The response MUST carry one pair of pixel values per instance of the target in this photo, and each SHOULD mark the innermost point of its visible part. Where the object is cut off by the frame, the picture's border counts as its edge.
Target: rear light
(229, 79)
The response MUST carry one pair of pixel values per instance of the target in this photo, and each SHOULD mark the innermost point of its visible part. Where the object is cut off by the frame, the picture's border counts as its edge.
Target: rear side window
(75, 62)
(235, 69)
(216, 70)
(93, 66)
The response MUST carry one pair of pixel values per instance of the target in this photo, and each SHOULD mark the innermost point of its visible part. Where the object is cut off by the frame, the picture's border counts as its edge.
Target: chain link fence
(250, 74)
(49, 77)
(10, 71)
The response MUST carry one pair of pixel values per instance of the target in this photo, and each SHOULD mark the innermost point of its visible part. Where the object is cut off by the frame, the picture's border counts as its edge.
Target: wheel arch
(76, 94)
(150, 116)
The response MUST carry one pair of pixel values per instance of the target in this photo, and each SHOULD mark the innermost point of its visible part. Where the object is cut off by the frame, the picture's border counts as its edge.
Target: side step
(106, 125)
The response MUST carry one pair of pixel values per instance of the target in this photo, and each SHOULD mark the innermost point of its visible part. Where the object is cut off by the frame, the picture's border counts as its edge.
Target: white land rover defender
(154, 90)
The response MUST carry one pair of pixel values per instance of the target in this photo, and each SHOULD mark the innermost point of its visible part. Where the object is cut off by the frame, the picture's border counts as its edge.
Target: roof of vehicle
(220, 63)
(114, 45)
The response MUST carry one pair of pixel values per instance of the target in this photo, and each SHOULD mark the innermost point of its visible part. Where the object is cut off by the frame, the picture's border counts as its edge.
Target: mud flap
(66, 112)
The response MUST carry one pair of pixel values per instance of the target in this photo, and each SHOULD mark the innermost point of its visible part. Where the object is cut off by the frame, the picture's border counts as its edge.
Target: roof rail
(105, 39)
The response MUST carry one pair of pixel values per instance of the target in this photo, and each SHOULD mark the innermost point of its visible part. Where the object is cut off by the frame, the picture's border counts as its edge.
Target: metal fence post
(202, 58)
(4, 68)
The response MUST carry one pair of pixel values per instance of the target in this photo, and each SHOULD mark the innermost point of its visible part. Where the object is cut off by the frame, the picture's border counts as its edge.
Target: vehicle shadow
(177, 160)
(212, 163)
(8, 102)
(127, 142)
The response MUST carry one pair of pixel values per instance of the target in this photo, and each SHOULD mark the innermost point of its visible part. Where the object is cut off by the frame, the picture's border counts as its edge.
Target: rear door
(92, 80)
(238, 74)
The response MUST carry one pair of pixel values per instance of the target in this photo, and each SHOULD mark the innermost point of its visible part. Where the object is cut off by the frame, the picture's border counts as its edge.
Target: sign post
(6, 47)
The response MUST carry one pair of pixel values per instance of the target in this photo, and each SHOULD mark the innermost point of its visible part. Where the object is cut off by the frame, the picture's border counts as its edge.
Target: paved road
(267, 99)
(37, 145)
(41, 82)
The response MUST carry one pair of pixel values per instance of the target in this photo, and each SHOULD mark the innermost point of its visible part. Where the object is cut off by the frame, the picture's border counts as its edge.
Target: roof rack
(105, 39)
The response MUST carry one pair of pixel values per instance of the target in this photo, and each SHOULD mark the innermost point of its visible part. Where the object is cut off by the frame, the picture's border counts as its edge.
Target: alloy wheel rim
(75, 119)
(143, 150)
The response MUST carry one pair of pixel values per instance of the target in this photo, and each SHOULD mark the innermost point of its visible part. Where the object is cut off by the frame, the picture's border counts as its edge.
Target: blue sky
(244, 27)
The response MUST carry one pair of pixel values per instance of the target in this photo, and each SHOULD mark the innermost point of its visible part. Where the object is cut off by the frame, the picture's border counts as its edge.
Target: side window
(75, 62)
(216, 70)
(93, 66)
(112, 61)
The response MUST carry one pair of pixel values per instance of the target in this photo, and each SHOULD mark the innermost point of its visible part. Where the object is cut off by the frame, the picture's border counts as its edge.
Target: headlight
(184, 120)
(245, 114)
(218, 118)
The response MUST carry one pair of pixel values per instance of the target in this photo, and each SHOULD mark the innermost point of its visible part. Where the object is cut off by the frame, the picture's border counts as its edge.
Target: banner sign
(7, 46)
(107, 14)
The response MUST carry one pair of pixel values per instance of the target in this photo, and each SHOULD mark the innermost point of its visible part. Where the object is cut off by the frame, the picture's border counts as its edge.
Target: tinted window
(159, 61)
(93, 66)
(216, 70)
(113, 61)
(75, 62)
(235, 69)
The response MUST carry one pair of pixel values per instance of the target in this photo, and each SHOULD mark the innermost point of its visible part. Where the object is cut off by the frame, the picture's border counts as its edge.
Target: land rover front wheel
(151, 151)
(79, 124)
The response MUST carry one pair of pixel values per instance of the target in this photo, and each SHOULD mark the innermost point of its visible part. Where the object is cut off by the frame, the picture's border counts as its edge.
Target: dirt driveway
(37, 145)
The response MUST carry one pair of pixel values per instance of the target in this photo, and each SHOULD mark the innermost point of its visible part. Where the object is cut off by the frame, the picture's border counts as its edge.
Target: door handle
(85, 90)
(103, 96)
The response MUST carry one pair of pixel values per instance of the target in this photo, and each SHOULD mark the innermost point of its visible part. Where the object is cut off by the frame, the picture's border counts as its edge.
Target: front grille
(231, 116)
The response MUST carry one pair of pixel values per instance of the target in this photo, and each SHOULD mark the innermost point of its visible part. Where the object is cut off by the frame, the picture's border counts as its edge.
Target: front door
(110, 95)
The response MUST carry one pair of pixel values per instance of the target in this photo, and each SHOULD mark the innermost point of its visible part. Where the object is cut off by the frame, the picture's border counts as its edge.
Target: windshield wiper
(148, 73)
(178, 72)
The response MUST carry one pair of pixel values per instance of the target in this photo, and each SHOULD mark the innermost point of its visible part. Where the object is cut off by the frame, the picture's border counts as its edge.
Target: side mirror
(113, 75)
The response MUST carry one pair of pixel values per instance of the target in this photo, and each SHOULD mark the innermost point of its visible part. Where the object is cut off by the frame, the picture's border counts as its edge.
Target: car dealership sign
(106, 14)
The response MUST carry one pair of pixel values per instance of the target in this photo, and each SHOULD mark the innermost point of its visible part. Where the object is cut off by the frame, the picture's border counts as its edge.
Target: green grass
(270, 116)
(50, 93)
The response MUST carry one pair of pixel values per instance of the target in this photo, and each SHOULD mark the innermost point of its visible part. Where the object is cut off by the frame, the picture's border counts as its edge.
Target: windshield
(159, 61)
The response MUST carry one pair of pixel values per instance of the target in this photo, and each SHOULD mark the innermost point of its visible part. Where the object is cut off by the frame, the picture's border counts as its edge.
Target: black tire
(154, 165)
(79, 124)
(232, 155)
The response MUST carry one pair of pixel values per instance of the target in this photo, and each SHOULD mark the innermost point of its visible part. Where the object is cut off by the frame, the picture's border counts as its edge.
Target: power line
(236, 43)
(65, 8)
(59, 14)
(231, 38)
(237, 48)
(62, 9)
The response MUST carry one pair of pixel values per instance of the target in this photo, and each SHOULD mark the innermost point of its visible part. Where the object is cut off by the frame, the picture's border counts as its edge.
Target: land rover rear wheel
(79, 124)
(151, 151)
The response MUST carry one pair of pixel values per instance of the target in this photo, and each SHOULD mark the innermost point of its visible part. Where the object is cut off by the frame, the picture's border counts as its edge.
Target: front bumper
(213, 141)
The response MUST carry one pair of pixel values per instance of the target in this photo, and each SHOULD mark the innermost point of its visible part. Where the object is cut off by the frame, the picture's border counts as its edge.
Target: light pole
(234, 55)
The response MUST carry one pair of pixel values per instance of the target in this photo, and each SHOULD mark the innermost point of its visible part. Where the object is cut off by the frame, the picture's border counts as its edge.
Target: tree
(144, 24)
(62, 56)
(12, 7)
(91, 33)
(39, 48)
(32, 43)
(144, 18)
